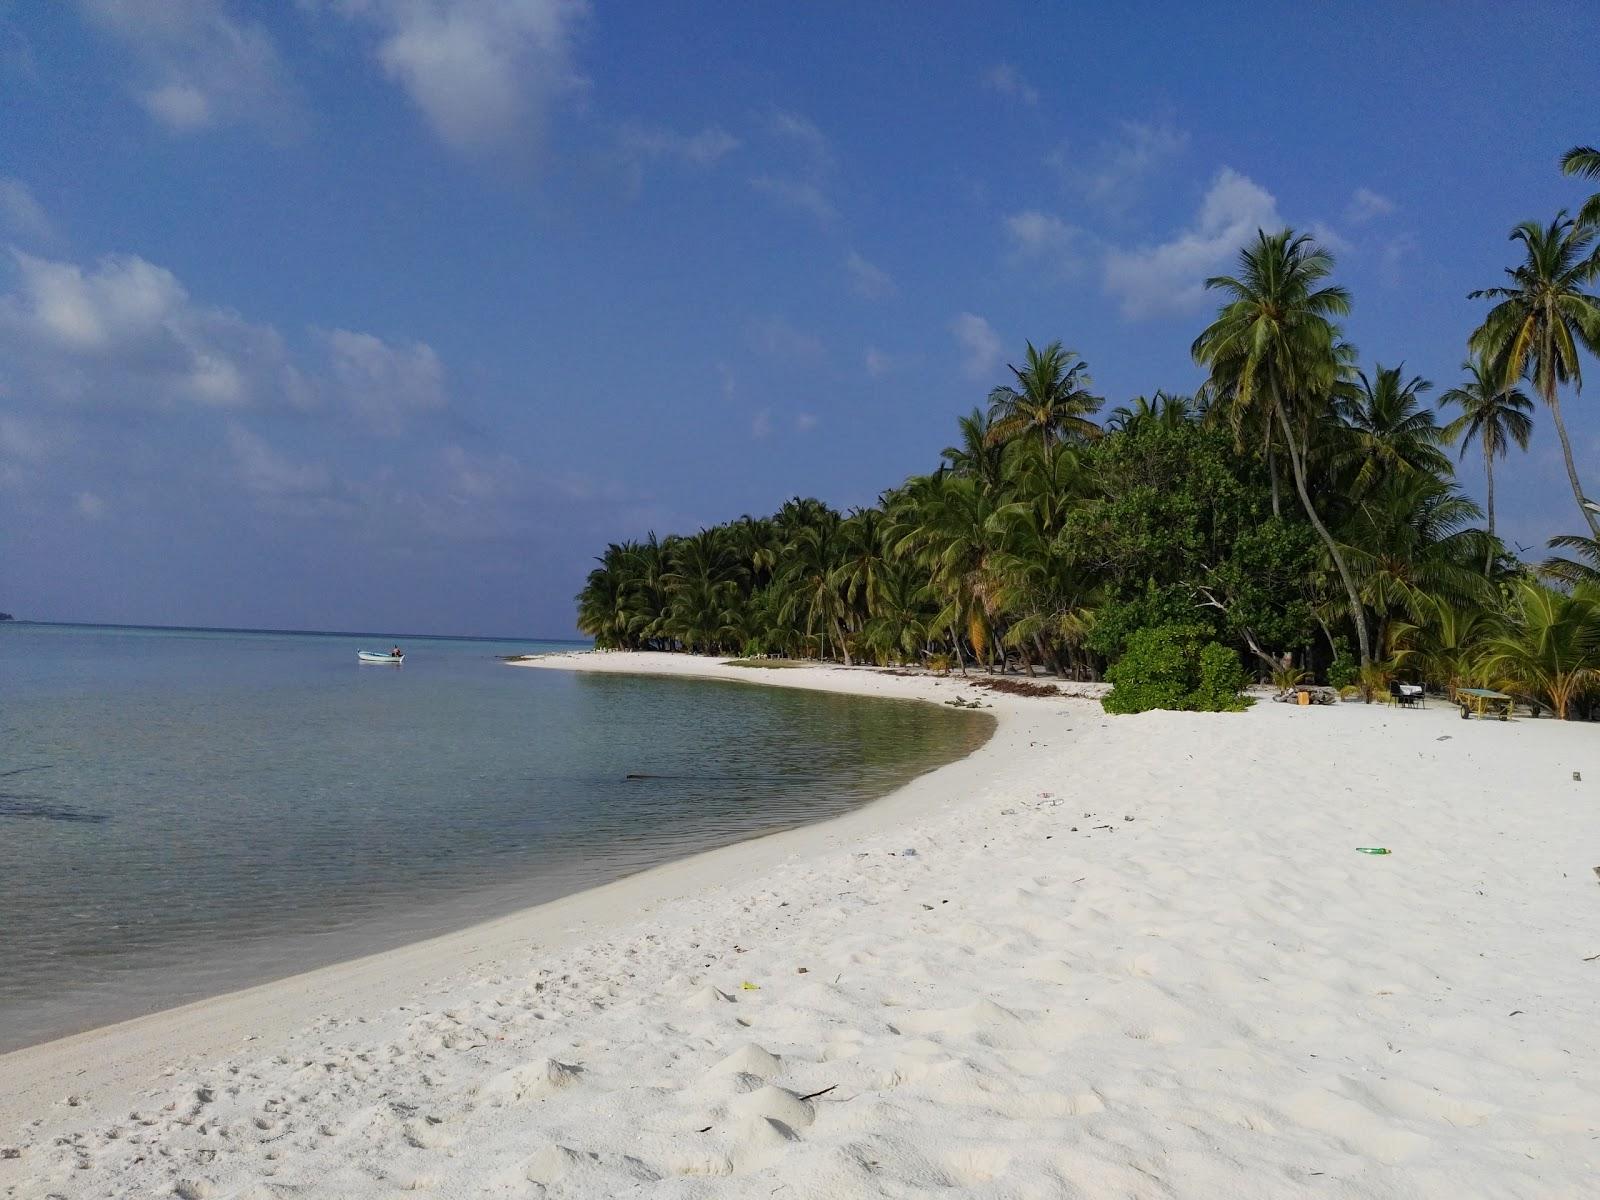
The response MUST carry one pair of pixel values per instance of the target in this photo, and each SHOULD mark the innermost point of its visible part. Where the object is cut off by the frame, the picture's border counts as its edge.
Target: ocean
(185, 812)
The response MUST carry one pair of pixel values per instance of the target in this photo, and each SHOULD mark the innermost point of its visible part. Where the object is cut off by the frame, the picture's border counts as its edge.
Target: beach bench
(1484, 702)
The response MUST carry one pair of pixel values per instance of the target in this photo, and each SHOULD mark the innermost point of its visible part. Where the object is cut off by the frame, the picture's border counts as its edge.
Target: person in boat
(396, 653)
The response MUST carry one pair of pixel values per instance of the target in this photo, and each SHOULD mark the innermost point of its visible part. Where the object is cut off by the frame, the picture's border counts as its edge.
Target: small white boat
(367, 656)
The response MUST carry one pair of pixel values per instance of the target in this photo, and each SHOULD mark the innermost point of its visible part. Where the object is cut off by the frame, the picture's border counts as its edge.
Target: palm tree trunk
(1572, 471)
(1272, 471)
(844, 649)
(1488, 471)
(1356, 613)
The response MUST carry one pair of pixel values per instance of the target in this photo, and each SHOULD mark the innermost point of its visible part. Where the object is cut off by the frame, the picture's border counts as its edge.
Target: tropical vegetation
(1297, 517)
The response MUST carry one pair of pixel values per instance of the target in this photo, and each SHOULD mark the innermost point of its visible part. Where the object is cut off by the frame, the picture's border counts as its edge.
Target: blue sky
(389, 314)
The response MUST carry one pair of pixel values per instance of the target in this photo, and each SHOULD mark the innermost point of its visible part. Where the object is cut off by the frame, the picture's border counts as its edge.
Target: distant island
(6, 617)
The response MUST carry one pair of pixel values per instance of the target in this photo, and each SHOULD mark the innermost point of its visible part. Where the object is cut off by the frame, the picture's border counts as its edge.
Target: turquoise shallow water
(183, 812)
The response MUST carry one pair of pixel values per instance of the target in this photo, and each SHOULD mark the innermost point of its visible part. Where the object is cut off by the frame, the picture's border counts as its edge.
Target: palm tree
(1274, 345)
(1551, 647)
(1052, 401)
(1450, 643)
(1411, 541)
(1163, 409)
(1494, 416)
(1573, 571)
(1387, 429)
(978, 456)
(810, 584)
(1540, 321)
(1585, 161)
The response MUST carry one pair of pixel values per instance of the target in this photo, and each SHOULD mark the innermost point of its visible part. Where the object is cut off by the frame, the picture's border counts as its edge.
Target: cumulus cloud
(384, 386)
(89, 506)
(125, 333)
(1008, 81)
(1365, 204)
(21, 215)
(868, 279)
(199, 64)
(483, 72)
(979, 344)
(1041, 238)
(1169, 277)
(126, 328)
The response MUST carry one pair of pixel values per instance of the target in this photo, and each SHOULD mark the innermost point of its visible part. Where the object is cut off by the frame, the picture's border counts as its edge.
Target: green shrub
(1175, 667)
(1222, 678)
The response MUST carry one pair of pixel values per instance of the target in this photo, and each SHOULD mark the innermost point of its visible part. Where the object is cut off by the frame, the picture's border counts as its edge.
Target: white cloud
(1114, 175)
(701, 149)
(384, 386)
(1395, 251)
(804, 131)
(21, 215)
(868, 279)
(199, 66)
(797, 194)
(1365, 204)
(89, 506)
(802, 186)
(269, 473)
(1008, 81)
(1042, 238)
(181, 107)
(880, 363)
(483, 72)
(124, 333)
(761, 425)
(126, 328)
(805, 422)
(778, 338)
(1170, 277)
(979, 343)
(1328, 238)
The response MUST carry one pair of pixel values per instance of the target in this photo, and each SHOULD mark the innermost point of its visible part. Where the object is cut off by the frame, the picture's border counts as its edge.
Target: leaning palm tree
(1540, 321)
(1273, 347)
(1051, 402)
(1585, 161)
(1494, 416)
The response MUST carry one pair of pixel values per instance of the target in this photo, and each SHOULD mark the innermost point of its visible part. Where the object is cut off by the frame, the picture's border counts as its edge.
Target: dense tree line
(1300, 509)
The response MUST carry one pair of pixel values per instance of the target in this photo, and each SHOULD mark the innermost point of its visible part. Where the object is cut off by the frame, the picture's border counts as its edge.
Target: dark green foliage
(1222, 678)
(1183, 529)
(1344, 671)
(1175, 667)
(1293, 509)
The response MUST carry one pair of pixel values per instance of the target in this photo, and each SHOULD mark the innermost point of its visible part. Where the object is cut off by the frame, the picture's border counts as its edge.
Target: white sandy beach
(1131, 956)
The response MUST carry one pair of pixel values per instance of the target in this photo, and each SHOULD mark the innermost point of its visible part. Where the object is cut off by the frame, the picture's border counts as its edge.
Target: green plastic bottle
(1372, 849)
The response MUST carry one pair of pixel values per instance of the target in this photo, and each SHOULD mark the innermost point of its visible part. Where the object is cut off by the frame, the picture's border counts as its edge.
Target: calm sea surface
(183, 812)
